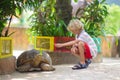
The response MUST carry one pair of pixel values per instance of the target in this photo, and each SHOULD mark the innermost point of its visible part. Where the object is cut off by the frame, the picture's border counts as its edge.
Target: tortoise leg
(24, 68)
(46, 67)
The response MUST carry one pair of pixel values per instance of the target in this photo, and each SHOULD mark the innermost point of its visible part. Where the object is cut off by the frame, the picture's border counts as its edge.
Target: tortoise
(31, 60)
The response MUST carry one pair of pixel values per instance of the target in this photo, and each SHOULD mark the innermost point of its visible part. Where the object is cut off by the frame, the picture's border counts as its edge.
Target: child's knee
(80, 43)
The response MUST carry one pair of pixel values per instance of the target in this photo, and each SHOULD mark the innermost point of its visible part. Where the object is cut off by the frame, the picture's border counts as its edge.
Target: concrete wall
(106, 46)
(20, 38)
(21, 41)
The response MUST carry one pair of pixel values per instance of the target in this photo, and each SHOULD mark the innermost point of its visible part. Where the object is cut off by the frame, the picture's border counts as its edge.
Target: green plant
(2, 24)
(43, 18)
(10, 8)
(112, 24)
(94, 18)
(46, 22)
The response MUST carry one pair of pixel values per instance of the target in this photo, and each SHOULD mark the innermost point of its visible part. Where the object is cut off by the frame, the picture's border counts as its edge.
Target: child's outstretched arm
(70, 43)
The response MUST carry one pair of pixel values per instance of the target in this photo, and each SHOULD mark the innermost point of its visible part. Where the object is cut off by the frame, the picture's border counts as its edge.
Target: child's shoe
(88, 61)
(79, 66)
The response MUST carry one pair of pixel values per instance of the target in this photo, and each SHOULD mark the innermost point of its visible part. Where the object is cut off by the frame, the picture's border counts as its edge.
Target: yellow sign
(5, 47)
(44, 43)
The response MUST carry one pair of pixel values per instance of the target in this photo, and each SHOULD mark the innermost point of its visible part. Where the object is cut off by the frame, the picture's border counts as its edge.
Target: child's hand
(75, 45)
(58, 45)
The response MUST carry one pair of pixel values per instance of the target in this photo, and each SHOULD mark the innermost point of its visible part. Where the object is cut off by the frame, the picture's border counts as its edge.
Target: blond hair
(75, 24)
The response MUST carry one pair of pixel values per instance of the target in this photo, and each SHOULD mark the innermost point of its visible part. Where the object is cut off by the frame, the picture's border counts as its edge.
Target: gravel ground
(109, 69)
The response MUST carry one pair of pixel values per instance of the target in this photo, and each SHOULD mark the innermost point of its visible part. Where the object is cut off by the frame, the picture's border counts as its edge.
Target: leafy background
(112, 25)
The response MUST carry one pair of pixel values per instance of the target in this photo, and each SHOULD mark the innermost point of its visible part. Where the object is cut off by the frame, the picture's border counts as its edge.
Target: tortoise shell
(32, 59)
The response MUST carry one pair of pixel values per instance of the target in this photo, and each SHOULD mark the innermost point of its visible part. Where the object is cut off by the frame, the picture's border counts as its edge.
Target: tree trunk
(64, 10)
